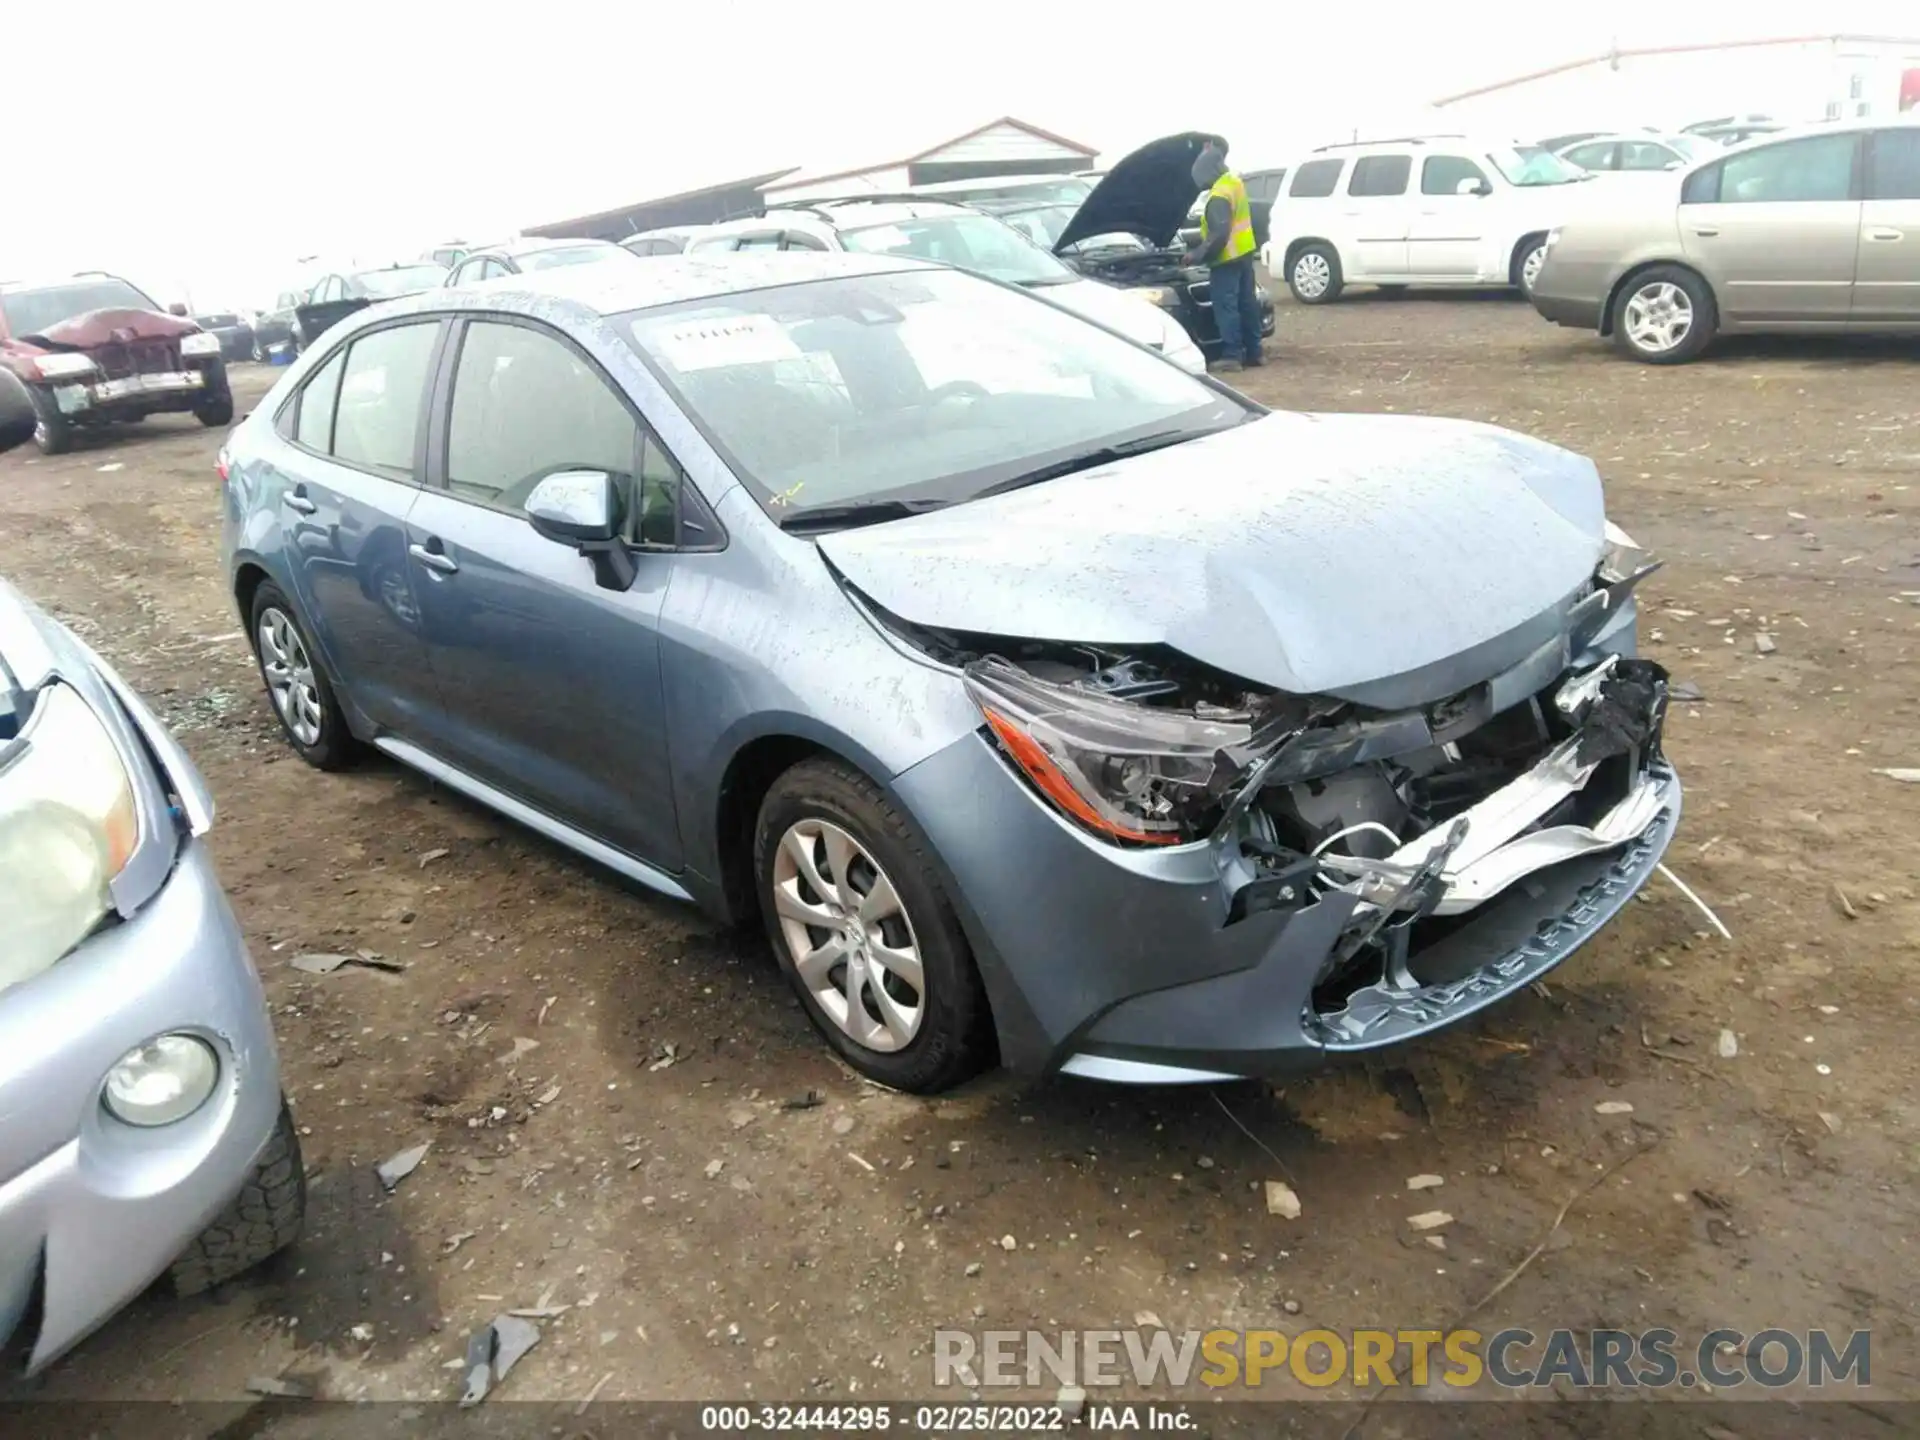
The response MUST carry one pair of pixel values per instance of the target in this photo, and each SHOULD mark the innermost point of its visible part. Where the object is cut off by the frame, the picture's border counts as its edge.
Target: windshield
(925, 385)
(1042, 224)
(566, 255)
(1694, 147)
(1531, 165)
(966, 241)
(31, 311)
(404, 280)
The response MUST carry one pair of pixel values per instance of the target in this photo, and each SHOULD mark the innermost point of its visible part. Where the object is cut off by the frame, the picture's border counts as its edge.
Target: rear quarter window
(1316, 179)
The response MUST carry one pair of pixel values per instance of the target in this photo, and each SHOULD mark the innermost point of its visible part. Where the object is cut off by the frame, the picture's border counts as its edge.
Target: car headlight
(63, 367)
(1162, 295)
(68, 824)
(162, 1081)
(200, 344)
(1123, 771)
(1623, 558)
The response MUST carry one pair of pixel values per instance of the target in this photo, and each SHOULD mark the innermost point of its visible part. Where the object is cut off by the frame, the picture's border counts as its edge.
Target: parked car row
(1809, 231)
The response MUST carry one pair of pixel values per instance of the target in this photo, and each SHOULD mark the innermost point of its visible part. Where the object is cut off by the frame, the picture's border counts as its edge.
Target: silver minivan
(1815, 231)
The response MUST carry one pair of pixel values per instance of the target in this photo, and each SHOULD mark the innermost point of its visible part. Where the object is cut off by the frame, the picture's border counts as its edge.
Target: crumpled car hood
(114, 327)
(1310, 553)
(1147, 193)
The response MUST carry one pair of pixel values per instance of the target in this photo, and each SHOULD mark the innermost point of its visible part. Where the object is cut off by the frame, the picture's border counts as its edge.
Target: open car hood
(1387, 559)
(1148, 193)
(112, 327)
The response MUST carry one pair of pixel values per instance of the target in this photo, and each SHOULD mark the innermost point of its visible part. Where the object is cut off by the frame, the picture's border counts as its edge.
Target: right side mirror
(17, 418)
(581, 508)
(1473, 187)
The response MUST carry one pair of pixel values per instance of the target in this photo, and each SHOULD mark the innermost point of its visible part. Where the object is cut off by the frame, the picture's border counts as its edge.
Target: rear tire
(1665, 316)
(215, 413)
(1528, 256)
(51, 430)
(861, 847)
(297, 684)
(1313, 275)
(262, 1220)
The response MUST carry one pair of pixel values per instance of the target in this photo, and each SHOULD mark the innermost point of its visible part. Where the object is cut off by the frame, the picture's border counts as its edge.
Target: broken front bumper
(1136, 965)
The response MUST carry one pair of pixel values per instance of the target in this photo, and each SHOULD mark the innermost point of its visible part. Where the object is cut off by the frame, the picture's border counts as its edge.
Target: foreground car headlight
(68, 824)
(200, 344)
(62, 367)
(1125, 771)
(162, 1081)
(1623, 558)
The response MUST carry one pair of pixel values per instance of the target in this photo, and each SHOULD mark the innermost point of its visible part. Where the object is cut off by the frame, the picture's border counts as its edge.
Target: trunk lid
(1315, 554)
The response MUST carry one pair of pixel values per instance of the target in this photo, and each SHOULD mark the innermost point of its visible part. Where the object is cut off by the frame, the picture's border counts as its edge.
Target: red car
(94, 350)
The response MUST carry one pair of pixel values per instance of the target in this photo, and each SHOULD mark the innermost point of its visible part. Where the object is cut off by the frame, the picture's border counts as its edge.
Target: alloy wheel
(1530, 267)
(289, 674)
(848, 935)
(1312, 275)
(1658, 317)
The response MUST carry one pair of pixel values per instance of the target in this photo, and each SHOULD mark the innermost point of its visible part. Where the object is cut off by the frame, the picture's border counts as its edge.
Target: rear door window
(1602, 156)
(377, 421)
(1645, 155)
(1315, 179)
(1379, 176)
(1893, 170)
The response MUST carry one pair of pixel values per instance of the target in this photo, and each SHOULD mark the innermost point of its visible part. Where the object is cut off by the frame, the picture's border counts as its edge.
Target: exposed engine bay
(1129, 266)
(1410, 818)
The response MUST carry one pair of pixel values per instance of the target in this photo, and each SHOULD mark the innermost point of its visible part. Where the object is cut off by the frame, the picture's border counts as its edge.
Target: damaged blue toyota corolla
(1040, 699)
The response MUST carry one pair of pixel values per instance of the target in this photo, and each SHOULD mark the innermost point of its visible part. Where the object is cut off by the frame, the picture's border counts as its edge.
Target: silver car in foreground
(142, 1129)
(1816, 232)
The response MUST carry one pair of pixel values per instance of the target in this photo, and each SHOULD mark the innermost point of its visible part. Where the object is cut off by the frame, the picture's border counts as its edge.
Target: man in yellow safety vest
(1227, 248)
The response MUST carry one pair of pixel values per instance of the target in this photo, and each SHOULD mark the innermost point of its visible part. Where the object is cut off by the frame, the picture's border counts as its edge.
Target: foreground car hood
(114, 327)
(1310, 553)
(1148, 193)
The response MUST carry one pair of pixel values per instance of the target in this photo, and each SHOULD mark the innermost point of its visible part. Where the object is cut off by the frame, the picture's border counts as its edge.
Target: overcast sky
(209, 146)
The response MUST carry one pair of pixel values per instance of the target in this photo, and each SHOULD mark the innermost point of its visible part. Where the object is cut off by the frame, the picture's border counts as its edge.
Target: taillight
(220, 464)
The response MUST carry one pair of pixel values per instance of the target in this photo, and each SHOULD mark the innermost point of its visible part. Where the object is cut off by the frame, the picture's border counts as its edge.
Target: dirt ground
(642, 1162)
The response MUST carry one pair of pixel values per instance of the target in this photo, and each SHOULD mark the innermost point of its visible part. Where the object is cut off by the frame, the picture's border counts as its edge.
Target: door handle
(433, 559)
(294, 500)
(1707, 230)
(1886, 235)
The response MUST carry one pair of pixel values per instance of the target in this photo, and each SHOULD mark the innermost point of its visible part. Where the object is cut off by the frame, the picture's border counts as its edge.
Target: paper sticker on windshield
(718, 343)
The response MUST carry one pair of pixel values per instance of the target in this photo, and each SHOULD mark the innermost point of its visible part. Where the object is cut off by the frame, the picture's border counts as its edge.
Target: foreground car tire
(1665, 316)
(865, 933)
(263, 1219)
(297, 686)
(1314, 275)
(51, 432)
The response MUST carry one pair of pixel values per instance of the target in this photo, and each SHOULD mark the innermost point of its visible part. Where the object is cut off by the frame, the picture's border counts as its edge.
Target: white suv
(964, 238)
(1430, 210)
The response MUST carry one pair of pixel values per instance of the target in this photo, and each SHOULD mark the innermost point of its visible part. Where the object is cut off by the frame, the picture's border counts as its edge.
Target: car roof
(844, 213)
(50, 282)
(935, 188)
(601, 290)
(534, 245)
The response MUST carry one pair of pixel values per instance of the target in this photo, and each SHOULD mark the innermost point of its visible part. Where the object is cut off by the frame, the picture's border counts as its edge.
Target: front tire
(1313, 275)
(262, 1220)
(51, 431)
(1665, 316)
(297, 686)
(865, 933)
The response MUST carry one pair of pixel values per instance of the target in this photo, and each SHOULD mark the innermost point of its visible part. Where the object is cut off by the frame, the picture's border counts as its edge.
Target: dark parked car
(1038, 698)
(233, 331)
(94, 350)
(518, 257)
(334, 297)
(1127, 233)
(275, 327)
